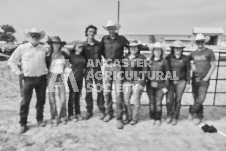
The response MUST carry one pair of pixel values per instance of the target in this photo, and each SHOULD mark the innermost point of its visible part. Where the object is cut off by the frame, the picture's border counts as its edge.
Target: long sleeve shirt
(181, 66)
(93, 53)
(134, 69)
(32, 60)
(113, 48)
(78, 64)
(157, 67)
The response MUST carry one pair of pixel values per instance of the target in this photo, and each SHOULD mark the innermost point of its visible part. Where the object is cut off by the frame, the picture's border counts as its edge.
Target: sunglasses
(35, 35)
(200, 42)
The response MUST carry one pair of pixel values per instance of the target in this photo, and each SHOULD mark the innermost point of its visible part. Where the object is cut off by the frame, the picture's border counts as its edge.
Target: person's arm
(102, 48)
(188, 70)
(14, 60)
(144, 74)
(212, 68)
(167, 69)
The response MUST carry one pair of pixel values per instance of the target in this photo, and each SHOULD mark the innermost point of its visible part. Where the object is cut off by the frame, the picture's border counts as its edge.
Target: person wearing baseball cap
(204, 66)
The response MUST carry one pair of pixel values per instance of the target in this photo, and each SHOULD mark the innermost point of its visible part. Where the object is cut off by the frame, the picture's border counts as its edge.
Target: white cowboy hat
(34, 30)
(158, 45)
(202, 37)
(110, 23)
(134, 43)
(177, 44)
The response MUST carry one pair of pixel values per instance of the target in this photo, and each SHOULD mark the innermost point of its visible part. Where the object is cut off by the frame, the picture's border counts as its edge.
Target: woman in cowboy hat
(157, 85)
(204, 66)
(56, 66)
(133, 85)
(180, 65)
(75, 81)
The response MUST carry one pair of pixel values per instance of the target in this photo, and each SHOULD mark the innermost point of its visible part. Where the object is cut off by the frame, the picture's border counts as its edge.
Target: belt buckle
(175, 82)
(154, 84)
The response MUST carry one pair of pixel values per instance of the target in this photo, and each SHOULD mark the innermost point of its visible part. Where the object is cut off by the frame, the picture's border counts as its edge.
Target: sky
(69, 18)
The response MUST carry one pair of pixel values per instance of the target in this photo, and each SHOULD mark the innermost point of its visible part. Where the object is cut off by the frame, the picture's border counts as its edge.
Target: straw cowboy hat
(56, 39)
(177, 44)
(200, 37)
(110, 23)
(134, 43)
(34, 30)
(158, 45)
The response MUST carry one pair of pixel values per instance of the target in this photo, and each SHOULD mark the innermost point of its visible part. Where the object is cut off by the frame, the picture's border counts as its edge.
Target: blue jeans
(131, 89)
(109, 72)
(74, 98)
(30, 83)
(155, 96)
(173, 98)
(199, 91)
(89, 84)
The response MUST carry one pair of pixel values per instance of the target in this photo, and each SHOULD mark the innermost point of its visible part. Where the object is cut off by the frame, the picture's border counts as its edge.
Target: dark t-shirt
(113, 48)
(78, 64)
(202, 60)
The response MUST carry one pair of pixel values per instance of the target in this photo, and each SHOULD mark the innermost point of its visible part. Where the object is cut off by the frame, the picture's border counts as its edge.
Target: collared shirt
(181, 66)
(93, 52)
(114, 48)
(135, 68)
(202, 60)
(32, 59)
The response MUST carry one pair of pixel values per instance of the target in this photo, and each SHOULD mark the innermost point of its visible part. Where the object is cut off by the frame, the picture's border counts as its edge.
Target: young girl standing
(56, 66)
(157, 85)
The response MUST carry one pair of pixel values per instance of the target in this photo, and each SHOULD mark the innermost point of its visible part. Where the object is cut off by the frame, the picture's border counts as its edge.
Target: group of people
(42, 69)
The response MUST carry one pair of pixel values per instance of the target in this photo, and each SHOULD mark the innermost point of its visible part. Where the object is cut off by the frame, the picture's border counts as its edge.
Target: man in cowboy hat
(32, 57)
(113, 50)
(203, 68)
(92, 52)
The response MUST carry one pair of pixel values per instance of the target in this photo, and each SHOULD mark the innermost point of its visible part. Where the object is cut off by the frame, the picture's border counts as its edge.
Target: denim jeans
(155, 96)
(89, 85)
(132, 91)
(199, 90)
(52, 99)
(30, 83)
(74, 98)
(109, 79)
(173, 98)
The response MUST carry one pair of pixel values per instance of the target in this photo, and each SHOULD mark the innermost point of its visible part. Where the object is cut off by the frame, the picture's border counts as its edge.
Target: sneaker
(197, 121)
(152, 121)
(102, 116)
(174, 122)
(133, 122)
(157, 123)
(168, 120)
(120, 124)
(88, 115)
(190, 116)
(41, 124)
(23, 129)
(126, 121)
(79, 117)
(107, 118)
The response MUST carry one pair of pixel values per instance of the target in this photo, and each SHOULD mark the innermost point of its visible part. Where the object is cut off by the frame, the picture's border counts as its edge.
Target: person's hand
(164, 90)
(205, 79)
(21, 76)
(187, 88)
